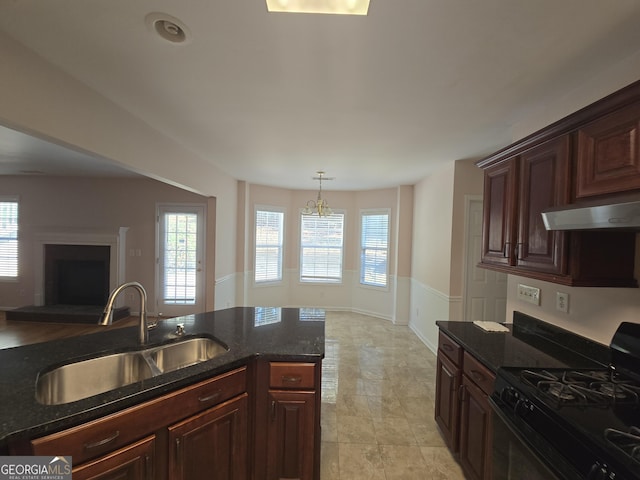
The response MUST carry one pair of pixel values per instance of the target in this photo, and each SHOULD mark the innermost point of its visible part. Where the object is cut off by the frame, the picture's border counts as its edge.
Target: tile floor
(378, 388)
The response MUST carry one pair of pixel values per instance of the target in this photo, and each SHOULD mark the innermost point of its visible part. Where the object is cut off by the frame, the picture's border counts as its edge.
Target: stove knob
(523, 407)
(509, 396)
(598, 472)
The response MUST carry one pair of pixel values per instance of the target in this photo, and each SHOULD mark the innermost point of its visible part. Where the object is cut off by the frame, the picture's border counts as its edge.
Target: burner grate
(627, 442)
(592, 388)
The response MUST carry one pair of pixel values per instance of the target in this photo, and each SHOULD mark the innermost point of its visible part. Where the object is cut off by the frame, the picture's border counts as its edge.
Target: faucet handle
(180, 329)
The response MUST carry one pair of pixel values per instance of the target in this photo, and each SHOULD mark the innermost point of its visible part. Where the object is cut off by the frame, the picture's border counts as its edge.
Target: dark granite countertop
(529, 343)
(287, 334)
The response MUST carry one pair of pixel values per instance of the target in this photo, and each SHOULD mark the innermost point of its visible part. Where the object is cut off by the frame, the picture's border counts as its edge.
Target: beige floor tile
(360, 462)
(353, 406)
(417, 409)
(387, 406)
(441, 464)
(393, 431)
(403, 462)
(329, 462)
(427, 434)
(355, 430)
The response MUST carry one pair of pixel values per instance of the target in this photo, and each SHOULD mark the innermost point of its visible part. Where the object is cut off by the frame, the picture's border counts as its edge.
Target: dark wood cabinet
(133, 462)
(211, 445)
(590, 156)
(447, 407)
(544, 183)
(517, 190)
(462, 409)
(291, 447)
(501, 196)
(608, 156)
(287, 421)
(476, 431)
(200, 431)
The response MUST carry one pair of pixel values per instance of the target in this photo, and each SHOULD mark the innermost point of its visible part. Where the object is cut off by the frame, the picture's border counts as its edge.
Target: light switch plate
(529, 294)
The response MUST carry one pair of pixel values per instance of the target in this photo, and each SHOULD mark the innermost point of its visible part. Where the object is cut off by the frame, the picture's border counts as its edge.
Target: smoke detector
(168, 28)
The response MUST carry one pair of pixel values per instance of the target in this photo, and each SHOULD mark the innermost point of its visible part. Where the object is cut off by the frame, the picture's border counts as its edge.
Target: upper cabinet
(590, 155)
(608, 157)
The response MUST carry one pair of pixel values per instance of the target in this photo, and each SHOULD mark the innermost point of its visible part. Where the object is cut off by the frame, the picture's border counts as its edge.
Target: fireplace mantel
(116, 240)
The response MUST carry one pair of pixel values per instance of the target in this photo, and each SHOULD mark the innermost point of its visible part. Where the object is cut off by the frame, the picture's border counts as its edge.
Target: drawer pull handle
(291, 378)
(211, 397)
(477, 376)
(100, 443)
(447, 347)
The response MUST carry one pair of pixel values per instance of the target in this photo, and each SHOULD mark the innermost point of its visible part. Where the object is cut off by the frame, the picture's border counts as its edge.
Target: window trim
(339, 281)
(275, 209)
(363, 213)
(13, 278)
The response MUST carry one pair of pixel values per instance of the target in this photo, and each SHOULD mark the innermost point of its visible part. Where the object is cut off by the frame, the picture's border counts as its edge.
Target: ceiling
(376, 101)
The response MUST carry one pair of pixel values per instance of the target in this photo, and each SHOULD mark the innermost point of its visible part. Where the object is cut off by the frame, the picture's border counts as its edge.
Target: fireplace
(74, 273)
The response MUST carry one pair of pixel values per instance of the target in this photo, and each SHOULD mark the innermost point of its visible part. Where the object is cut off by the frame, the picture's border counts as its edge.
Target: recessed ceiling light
(338, 7)
(167, 27)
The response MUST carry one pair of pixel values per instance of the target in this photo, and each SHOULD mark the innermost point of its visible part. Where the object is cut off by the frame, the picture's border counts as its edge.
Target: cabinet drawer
(478, 373)
(450, 348)
(93, 439)
(291, 375)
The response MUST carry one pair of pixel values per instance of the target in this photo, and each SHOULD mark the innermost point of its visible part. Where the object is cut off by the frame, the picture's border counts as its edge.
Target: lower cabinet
(133, 462)
(211, 445)
(198, 432)
(462, 409)
(447, 407)
(291, 435)
(475, 431)
(287, 421)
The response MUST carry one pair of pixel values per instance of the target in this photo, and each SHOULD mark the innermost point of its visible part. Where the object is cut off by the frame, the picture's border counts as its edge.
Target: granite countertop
(529, 343)
(287, 334)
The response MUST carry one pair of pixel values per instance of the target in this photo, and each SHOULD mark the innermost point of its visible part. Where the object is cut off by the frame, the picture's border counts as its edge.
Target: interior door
(180, 272)
(485, 290)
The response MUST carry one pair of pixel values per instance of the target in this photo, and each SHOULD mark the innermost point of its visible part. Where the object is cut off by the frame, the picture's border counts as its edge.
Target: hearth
(76, 286)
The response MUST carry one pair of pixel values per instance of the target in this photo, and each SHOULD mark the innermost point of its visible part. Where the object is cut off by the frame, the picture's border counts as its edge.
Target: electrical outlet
(529, 294)
(562, 302)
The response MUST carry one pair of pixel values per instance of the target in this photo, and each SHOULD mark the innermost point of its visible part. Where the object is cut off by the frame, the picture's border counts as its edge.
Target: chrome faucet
(107, 316)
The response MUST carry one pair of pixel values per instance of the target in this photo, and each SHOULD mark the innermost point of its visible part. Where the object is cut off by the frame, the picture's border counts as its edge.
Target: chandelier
(319, 206)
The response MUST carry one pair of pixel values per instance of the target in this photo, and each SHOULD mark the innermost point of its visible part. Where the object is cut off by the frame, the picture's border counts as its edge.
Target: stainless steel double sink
(82, 379)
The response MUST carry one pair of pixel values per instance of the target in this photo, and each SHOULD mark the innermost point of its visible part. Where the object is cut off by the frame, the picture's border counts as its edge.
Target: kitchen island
(261, 342)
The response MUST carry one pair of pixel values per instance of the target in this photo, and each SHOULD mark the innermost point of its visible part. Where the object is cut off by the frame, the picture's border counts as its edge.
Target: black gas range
(571, 424)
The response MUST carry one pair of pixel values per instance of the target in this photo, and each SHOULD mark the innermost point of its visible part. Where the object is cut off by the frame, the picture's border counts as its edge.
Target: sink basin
(185, 353)
(78, 380)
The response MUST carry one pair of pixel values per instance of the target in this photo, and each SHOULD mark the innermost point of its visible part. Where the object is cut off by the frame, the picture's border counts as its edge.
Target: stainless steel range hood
(622, 214)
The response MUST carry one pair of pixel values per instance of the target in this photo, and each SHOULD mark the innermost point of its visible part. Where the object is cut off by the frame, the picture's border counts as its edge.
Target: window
(321, 241)
(268, 260)
(374, 249)
(8, 238)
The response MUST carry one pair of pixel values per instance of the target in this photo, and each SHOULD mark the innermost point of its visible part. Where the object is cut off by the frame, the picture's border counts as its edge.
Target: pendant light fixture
(319, 206)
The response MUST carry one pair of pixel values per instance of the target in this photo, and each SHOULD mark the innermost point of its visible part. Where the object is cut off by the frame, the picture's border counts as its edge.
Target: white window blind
(180, 258)
(8, 239)
(321, 244)
(268, 260)
(374, 251)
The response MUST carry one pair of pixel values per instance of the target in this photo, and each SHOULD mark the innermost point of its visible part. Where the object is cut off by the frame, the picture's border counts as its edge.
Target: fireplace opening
(76, 274)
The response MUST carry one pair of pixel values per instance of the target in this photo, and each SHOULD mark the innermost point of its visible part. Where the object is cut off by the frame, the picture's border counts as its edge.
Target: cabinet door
(133, 462)
(447, 404)
(291, 435)
(475, 432)
(544, 183)
(211, 445)
(608, 159)
(498, 225)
